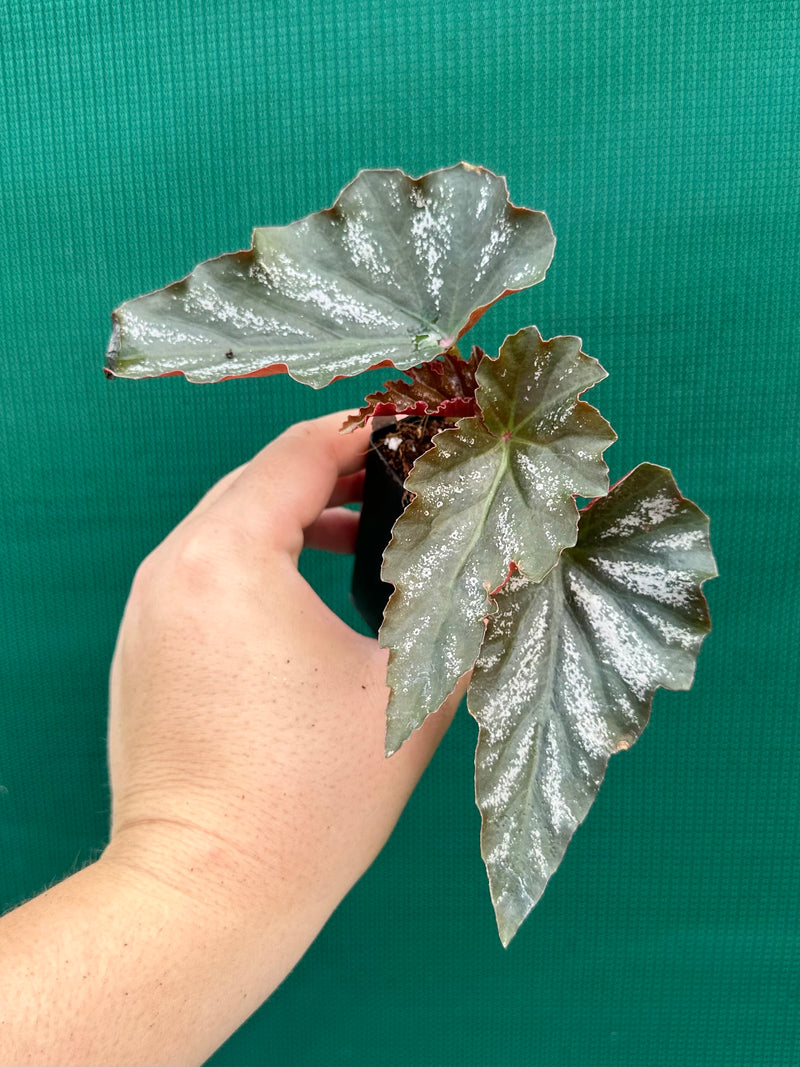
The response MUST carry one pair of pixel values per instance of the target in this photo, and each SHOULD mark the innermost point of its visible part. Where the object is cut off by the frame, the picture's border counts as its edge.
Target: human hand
(247, 720)
(249, 785)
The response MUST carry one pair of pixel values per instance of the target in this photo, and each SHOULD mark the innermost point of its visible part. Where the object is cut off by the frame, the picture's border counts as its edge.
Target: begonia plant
(567, 619)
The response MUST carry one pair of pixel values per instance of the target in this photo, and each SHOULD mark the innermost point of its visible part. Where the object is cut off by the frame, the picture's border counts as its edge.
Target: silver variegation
(495, 491)
(393, 273)
(568, 669)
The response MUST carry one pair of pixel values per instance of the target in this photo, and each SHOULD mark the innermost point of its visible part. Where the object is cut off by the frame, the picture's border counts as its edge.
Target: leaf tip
(509, 921)
(394, 739)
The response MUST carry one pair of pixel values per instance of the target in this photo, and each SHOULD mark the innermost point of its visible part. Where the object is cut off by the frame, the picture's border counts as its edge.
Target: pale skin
(250, 790)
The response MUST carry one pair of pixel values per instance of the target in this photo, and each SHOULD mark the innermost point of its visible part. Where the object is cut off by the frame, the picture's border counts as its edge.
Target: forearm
(116, 965)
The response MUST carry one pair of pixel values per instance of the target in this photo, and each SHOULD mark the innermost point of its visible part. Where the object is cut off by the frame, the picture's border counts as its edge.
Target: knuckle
(145, 576)
(199, 560)
(299, 431)
(204, 555)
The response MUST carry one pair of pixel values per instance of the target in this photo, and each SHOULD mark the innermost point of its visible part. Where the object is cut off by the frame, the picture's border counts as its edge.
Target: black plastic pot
(384, 500)
(395, 447)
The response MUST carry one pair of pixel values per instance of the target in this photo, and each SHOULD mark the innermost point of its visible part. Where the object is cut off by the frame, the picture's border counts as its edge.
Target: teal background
(663, 140)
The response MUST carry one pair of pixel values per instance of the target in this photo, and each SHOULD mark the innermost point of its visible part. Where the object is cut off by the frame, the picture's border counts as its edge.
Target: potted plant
(568, 620)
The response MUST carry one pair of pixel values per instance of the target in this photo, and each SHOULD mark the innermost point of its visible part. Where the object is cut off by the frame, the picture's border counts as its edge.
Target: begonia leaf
(394, 272)
(488, 494)
(568, 669)
(444, 386)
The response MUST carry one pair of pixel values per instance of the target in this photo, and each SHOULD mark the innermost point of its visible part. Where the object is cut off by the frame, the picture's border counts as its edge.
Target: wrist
(140, 959)
(219, 918)
(201, 869)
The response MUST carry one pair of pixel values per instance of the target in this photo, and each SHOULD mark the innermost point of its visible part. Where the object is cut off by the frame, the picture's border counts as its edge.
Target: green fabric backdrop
(663, 140)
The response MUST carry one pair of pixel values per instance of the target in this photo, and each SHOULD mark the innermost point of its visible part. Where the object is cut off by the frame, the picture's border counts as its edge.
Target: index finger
(288, 485)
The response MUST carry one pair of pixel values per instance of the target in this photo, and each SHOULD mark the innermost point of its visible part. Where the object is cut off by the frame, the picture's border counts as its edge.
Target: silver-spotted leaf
(494, 491)
(394, 272)
(568, 669)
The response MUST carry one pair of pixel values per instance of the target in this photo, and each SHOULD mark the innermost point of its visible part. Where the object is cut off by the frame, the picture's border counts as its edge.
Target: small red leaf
(444, 386)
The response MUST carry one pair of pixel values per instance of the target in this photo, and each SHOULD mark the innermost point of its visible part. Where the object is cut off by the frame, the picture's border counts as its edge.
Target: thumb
(287, 486)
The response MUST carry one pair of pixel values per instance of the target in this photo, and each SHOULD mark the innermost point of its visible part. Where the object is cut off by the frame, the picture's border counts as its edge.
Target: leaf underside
(495, 490)
(567, 673)
(444, 386)
(393, 273)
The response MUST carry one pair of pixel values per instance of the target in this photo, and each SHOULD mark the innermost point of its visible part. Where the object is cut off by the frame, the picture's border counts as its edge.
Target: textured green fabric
(663, 140)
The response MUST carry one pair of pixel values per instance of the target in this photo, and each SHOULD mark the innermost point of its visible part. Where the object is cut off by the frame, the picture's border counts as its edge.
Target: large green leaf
(568, 670)
(393, 273)
(495, 491)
